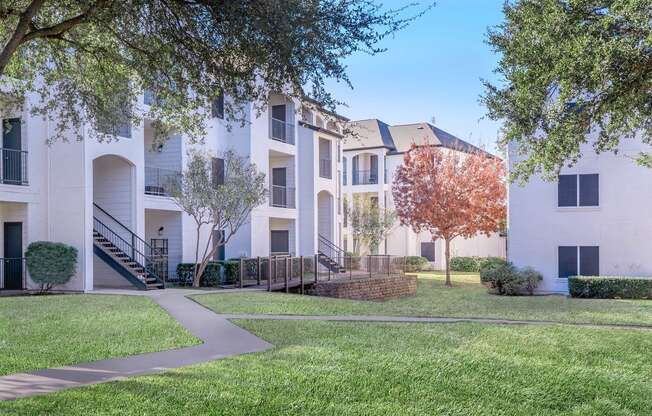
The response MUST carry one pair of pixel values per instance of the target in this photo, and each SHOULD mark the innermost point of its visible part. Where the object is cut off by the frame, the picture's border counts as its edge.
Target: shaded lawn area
(345, 368)
(49, 331)
(468, 298)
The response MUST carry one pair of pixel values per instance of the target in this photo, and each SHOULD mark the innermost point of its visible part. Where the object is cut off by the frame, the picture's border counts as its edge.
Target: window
(344, 170)
(219, 254)
(585, 259)
(217, 174)
(280, 241)
(578, 190)
(428, 250)
(217, 107)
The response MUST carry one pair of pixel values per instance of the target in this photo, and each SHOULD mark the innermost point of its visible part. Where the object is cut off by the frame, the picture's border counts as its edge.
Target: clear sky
(431, 69)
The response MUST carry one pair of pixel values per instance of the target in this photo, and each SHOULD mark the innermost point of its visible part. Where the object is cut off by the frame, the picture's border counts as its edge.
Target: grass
(49, 331)
(468, 298)
(344, 368)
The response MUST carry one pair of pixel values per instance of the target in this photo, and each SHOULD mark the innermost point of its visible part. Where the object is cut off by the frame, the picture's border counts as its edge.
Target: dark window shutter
(590, 261)
(217, 107)
(280, 241)
(567, 191)
(589, 190)
(428, 250)
(567, 261)
(217, 166)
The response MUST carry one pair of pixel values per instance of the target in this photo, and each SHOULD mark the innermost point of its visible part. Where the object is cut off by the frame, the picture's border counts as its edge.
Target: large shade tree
(87, 58)
(571, 72)
(450, 194)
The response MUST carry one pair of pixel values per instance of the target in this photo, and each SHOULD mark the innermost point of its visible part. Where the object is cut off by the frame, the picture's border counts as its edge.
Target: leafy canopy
(87, 59)
(370, 223)
(572, 72)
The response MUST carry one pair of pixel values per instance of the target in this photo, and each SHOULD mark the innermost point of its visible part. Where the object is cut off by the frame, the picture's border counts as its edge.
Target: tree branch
(19, 34)
(62, 27)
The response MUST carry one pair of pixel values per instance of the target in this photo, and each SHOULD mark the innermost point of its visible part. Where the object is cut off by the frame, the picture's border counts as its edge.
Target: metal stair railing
(328, 249)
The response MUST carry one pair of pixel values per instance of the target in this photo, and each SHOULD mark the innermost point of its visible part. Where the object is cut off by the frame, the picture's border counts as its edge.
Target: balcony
(282, 197)
(14, 167)
(282, 131)
(365, 177)
(160, 181)
(325, 168)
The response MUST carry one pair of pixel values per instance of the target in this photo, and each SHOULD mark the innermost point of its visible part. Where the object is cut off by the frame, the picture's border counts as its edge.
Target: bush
(505, 279)
(50, 264)
(610, 287)
(415, 263)
(464, 264)
(473, 263)
(210, 277)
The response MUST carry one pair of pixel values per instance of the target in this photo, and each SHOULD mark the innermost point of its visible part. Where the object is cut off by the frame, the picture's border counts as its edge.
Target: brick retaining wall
(374, 288)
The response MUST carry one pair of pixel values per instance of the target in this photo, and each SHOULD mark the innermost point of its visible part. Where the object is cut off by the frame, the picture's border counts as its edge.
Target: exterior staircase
(331, 256)
(126, 253)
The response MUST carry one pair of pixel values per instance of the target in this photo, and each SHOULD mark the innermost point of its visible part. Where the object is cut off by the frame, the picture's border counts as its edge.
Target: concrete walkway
(220, 339)
(438, 320)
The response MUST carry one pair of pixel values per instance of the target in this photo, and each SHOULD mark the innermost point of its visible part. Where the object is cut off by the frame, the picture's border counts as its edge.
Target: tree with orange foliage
(450, 194)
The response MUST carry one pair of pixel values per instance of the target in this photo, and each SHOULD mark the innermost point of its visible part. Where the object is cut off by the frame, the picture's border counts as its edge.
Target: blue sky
(431, 69)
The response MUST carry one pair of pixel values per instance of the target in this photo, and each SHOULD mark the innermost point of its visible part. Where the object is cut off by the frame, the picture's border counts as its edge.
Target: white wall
(621, 226)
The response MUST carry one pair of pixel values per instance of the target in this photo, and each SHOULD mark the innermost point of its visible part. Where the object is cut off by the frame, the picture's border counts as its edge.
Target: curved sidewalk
(220, 339)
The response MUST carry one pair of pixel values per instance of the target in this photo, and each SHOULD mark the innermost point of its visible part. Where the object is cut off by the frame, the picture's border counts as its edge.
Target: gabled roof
(368, 133)
(373, 133)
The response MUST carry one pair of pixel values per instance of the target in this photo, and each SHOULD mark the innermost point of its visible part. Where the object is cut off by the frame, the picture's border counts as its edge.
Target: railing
(12, 273)
(126, 240)
(329, 249)
(159, 181)
(325, 168)
(365, 177)
(282, 131)
(282, 197)
(13, 167)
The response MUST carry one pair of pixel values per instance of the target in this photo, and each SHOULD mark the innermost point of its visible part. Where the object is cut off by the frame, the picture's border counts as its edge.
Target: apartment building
(109, 200)
(593, 220)
(372, 152)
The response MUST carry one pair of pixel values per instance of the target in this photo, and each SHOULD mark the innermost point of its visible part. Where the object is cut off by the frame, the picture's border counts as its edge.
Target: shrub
(464, 264)
(610, 287)
(210, 277)
(352, 260)
(505, 279)
(415, 263)
(490, 261)
(50, 264)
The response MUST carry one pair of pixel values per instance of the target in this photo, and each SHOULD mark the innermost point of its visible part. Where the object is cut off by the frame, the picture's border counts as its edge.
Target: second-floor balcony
(282, 131)
(365, 177)
(325, 168)
(13, 169)
(159, 181)
(282, 197)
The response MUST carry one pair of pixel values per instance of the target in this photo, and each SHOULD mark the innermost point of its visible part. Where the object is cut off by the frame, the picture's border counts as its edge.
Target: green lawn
(48, 331)
(344, 368)
(467, 299)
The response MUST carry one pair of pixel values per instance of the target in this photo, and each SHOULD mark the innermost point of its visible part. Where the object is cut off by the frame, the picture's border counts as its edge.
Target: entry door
(280, 241)
(428, 251)
(279, 183)
(13, 261)
(11, 152)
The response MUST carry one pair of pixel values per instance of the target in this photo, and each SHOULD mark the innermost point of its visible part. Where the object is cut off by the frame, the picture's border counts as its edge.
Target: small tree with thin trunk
(370, 223)
(450, 194)
(219, 197)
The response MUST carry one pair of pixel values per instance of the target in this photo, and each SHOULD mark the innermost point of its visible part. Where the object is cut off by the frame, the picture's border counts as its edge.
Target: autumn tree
(88, 59)
(571, 72)
(450, 194)
(219, 195)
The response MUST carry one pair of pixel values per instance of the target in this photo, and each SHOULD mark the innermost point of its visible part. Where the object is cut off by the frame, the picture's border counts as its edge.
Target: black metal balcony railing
(282, 197)
(365, 177)
(12, 273)
(282, 131)
(325, 168)
(160, 181)
(14, 167)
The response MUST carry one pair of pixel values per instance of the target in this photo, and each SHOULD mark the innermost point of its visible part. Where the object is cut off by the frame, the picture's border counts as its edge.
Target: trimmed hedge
(50, 264)
(223, 272)
(415, 263)
(473, 263)
(610, 287)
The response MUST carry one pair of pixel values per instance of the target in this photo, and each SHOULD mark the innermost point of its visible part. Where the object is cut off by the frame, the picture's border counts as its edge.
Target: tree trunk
(19, 33)
(195, 277)
(447, 255)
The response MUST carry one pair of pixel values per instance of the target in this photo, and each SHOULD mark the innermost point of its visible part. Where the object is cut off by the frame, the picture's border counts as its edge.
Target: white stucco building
(87, 194)
(372, 153)
(594, 220)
